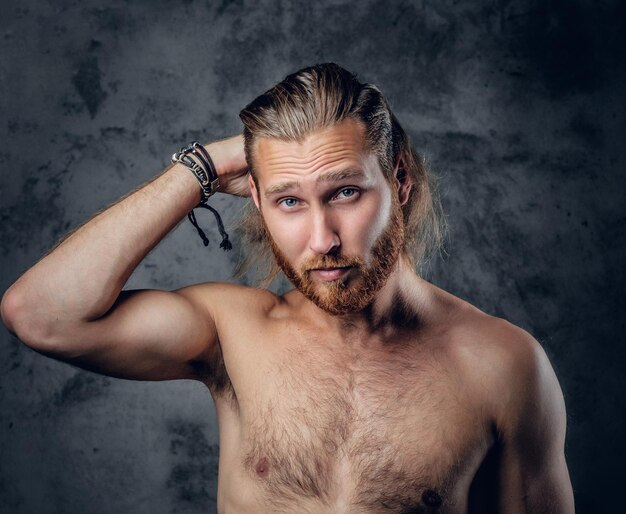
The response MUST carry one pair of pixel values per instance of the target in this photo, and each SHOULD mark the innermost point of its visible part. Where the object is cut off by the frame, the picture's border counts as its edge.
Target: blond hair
(318, 97)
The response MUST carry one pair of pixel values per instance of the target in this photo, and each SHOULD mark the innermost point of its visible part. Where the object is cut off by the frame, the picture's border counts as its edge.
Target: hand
(230, 161)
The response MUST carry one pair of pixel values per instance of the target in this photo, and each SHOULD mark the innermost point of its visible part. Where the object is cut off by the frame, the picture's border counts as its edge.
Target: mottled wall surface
(518, 105)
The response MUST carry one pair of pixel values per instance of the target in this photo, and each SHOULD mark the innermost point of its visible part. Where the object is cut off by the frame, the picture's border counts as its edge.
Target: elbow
(9, 308)
(20, 318)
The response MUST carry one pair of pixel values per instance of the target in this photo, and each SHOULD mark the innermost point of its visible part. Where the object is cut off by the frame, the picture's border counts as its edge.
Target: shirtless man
(363, 390)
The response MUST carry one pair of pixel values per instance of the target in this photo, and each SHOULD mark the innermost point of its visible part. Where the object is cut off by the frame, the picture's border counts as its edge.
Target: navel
(262, 467)
(431, 498)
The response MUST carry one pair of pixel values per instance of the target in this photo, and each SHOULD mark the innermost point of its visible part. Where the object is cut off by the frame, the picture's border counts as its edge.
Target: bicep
(146, 335)
(534, 477)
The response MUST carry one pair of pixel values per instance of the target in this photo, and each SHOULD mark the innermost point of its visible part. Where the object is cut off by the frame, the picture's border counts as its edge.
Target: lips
(329, 274)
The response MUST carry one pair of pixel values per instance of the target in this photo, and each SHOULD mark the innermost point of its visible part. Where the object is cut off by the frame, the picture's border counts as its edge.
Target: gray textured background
(518, 105)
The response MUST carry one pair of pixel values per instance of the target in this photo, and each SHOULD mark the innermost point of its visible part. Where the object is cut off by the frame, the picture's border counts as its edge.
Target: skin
(416, 402)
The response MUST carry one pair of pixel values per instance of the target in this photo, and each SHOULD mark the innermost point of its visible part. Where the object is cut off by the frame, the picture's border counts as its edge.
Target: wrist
(191, 191)
(196, 158)
(200, 163)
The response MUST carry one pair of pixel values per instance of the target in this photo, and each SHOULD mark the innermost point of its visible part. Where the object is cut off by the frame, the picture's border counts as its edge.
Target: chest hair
(378, 426)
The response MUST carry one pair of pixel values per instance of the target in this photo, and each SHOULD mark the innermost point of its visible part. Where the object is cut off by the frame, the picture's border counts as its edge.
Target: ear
(253, 191)
(402, 180)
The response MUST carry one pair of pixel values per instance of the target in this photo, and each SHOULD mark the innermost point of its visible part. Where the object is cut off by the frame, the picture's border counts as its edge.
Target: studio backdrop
(518, 107)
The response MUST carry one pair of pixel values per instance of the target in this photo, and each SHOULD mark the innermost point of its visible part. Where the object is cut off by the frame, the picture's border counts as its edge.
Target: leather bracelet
(204, 156)
(202, 168)
(195, 158)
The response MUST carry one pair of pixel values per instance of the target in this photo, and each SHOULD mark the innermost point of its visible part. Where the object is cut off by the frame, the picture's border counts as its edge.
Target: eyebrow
(331, 176)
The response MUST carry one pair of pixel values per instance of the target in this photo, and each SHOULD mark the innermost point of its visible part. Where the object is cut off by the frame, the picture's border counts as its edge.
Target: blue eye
(289, 202)
(347, 192)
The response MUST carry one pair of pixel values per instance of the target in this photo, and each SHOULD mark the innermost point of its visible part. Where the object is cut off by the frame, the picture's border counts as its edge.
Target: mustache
(331, 261)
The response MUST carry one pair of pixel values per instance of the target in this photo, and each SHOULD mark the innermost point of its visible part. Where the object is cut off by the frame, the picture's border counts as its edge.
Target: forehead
(340, 146)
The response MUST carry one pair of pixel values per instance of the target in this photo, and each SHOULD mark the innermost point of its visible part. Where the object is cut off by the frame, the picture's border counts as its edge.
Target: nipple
(431, 498)
(262, 467)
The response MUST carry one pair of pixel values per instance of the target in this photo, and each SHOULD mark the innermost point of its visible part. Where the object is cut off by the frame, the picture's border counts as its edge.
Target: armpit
(214, 374)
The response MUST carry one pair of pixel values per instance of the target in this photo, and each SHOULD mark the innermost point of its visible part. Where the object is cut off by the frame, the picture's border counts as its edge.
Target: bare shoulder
(500, 362)
(238, 315)
(496, 346)
(508, 376)
(222, 300)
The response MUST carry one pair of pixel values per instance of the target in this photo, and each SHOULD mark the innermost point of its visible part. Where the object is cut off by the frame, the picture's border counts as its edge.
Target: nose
(324, 238)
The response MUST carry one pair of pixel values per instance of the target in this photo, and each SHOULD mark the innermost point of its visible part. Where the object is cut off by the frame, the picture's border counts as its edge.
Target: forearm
(82, 277)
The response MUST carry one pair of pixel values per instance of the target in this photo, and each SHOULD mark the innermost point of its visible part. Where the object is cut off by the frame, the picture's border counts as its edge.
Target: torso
(311, 421)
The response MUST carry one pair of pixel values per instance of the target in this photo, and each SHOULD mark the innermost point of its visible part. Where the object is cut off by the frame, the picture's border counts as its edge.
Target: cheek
(368, 223)
(289, 234)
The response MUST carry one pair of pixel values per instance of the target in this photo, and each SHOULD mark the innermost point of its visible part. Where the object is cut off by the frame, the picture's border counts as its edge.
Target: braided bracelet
(204, 170)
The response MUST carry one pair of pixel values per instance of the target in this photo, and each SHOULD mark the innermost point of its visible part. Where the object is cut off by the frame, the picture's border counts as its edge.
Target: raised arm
(70, 306)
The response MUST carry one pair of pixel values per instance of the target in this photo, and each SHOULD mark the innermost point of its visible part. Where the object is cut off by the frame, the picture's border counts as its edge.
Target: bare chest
(385, 431)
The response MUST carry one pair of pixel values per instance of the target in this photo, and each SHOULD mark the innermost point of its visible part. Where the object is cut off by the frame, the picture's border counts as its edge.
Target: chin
(339, 299)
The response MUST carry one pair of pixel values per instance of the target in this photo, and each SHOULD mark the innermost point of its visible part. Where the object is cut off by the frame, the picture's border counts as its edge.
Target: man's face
(334, 223)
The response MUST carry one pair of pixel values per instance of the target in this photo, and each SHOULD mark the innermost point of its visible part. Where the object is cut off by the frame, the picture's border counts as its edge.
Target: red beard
(361, 284)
